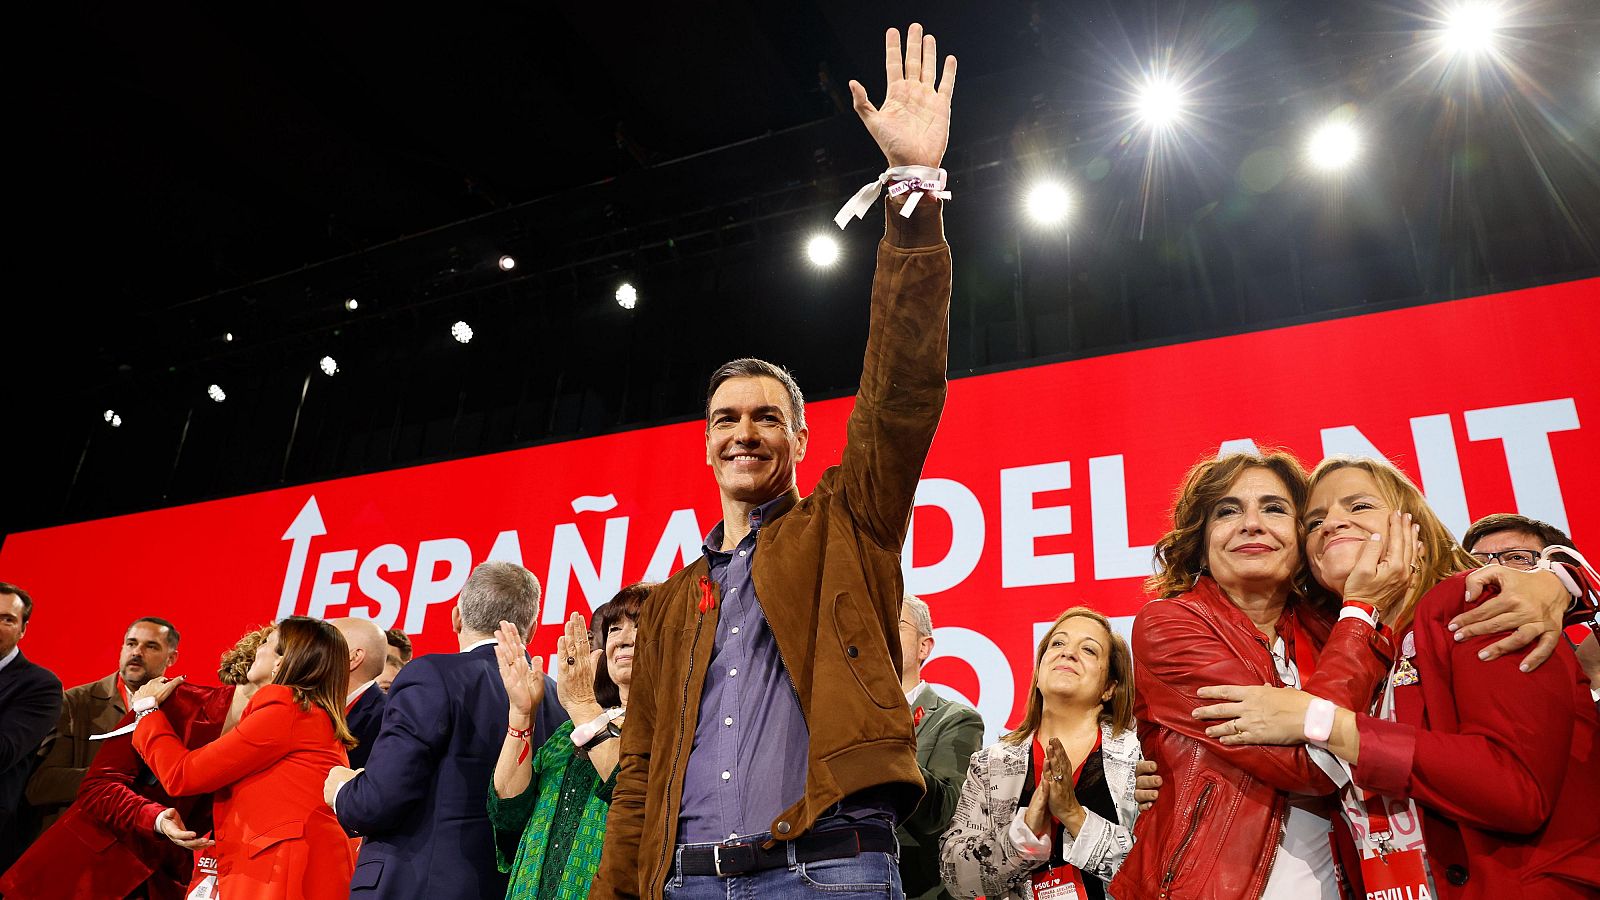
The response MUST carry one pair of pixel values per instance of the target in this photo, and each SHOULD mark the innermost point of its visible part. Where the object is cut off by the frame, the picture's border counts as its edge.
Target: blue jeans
(875, 875)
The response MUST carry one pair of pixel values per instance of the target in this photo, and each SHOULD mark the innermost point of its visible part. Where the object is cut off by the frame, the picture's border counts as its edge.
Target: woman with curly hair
(1232, 606)
(1470, 776)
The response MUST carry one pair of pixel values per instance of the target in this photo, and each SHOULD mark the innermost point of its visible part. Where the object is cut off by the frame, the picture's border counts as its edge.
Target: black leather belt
(742, 859)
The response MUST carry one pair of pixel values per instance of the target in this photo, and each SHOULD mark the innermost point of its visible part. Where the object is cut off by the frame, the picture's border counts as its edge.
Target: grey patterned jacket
(977, 856)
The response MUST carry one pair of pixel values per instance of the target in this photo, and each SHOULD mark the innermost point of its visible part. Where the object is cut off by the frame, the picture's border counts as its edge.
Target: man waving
(768, 740)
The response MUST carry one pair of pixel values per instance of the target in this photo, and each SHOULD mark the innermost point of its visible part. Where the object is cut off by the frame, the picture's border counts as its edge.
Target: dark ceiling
(190, 170)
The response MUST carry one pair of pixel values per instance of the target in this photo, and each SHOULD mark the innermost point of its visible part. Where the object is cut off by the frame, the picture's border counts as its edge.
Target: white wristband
(1318, 725)
(915, 179)
(583, 734)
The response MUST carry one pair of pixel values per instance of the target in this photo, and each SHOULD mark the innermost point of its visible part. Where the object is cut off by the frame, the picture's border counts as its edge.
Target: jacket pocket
(865, 649)
(367, 875)
(259, 841)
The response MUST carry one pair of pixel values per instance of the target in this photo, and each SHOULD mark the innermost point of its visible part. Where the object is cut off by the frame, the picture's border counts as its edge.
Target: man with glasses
(1516, 542)
(948, 733)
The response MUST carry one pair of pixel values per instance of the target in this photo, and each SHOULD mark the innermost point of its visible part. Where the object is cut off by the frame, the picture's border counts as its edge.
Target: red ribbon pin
(708, 599)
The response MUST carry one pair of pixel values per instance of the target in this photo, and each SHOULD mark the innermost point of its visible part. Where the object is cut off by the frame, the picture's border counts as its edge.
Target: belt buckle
(716, 860)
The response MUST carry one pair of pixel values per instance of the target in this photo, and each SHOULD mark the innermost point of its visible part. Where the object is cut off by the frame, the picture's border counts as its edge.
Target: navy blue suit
(422, 803)
(365, 720)
(30, 705)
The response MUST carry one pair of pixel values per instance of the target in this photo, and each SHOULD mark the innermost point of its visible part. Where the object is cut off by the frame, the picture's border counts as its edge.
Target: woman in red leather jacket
(1495, 764)
(1242, 822)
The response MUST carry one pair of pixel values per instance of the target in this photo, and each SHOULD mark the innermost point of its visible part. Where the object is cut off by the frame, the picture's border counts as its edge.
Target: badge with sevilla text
(1402, 875)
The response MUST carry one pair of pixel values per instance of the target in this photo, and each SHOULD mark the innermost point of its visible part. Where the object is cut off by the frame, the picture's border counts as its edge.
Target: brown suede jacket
(827, 573)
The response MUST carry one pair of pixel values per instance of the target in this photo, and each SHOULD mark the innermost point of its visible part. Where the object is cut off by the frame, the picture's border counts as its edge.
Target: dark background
(181, 172)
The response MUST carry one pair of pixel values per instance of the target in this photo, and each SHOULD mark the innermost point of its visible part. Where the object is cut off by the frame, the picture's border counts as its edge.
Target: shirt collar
(483, 643)
(6, 660)
(351, 697)
(911, 695)
(765, 514)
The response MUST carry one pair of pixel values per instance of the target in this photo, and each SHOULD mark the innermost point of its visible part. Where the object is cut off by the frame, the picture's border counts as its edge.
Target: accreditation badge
(1402, 875)
(1063, 882)
(203, 885)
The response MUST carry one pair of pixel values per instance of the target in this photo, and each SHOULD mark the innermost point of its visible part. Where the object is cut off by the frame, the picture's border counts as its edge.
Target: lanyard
(1375, 808)
(1298, 644)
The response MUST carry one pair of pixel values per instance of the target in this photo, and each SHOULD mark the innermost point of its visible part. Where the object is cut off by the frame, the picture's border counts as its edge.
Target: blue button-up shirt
(748, 760)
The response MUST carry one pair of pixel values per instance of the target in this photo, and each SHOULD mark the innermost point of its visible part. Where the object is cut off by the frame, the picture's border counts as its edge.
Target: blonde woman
(1053, 802)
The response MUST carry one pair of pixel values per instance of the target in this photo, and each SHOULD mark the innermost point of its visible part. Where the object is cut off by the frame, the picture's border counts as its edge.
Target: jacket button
(852, 651)
(783, 827)
(1456, 875)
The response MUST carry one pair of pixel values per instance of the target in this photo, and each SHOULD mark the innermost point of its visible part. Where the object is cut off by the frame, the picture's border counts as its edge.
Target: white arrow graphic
(306, 525)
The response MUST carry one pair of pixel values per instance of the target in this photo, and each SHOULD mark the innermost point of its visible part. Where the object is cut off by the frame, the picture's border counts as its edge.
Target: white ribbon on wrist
(915, 180)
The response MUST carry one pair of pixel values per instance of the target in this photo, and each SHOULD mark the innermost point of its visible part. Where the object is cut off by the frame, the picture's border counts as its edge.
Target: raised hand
(575, 668)
(522, 677)
(912, 125)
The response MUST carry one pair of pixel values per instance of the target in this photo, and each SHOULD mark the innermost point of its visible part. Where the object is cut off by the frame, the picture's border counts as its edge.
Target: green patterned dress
(559, 823)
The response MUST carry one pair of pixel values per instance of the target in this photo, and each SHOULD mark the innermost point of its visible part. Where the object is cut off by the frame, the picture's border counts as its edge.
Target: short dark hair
(27, 602)
(398, 640)
(1548, 534)
(626, 604)
(172, 630)
(750, 367)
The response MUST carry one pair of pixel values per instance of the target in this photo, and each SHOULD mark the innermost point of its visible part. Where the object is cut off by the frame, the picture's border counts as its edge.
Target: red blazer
(276, 838)
(1212, 834)
(105, 846)
(1501, 762)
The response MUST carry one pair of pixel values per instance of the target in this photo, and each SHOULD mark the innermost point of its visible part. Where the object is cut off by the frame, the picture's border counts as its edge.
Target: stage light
(352, 304)
(1472, 28)
(112, 419)
(507, 263)
(227, 337)
(627, 296)
(1333, 146)
(216, 393)
(1048, 203)
(329, 366)
(462, 332)
(822, 250)
(1160, 105)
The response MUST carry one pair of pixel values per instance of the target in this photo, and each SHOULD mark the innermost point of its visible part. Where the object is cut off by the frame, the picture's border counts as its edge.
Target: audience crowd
(1326, 695)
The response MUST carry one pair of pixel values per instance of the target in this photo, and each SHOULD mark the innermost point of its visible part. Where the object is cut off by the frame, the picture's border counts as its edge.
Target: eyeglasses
(1516, 559)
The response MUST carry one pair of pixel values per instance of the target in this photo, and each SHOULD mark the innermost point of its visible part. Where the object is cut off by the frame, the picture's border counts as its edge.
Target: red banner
(1044, 489)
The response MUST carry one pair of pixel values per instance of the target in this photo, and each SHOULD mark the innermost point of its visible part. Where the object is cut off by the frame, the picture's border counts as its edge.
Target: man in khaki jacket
(767, 739)
(149, 646)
